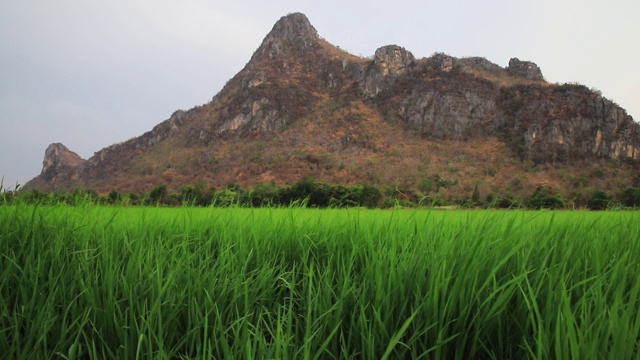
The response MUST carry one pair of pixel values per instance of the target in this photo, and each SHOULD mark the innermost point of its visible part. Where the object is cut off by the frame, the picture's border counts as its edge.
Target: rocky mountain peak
(525, 69)
(291, 32)
(393, 59)
(389, 62)
(58, 159)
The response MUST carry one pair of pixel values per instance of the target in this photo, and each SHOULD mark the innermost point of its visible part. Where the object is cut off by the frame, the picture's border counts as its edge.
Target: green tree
(191, 194)
(630, 197)
(544, 198)
(114, 197)
(426, 185)
(263, 195)
(367, 195)
(599, 200)
(158, 194)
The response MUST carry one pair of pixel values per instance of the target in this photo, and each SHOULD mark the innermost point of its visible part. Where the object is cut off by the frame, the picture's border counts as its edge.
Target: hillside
(301, 107)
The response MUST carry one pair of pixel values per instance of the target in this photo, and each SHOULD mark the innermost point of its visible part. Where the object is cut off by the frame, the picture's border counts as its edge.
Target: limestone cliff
(60, 165)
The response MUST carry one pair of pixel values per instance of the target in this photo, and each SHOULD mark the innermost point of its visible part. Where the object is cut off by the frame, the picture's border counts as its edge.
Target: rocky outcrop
(543, 123)
(266, 95)
(389, 63)
(525, 69)
(163, 130)
(293, 32)
(121, 151)
(518, 70)
(60, 163)
(566, 123)
(444, 115)
(257, 116)
(479, 63)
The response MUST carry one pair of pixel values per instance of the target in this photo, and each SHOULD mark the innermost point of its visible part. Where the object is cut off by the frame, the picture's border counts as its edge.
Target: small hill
(301, 107)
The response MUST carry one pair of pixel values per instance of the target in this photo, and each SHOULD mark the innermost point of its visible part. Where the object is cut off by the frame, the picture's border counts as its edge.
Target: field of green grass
(92, 282)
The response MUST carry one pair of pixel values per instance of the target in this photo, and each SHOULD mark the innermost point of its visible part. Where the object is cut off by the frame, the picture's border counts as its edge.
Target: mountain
(302, 107)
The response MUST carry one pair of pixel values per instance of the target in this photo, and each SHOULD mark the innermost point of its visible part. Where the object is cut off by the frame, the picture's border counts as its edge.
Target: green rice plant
(91, 282)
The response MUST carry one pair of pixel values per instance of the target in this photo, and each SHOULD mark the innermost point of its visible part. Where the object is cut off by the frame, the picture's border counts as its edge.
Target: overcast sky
(89, 75)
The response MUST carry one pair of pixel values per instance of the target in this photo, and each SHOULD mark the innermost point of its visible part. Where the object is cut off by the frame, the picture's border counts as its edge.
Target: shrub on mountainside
(262, 195)
(158, 195)
(191, 194)
(600, 200)
(544, 198)
(114, 197)
(629, 197)
(320, 195)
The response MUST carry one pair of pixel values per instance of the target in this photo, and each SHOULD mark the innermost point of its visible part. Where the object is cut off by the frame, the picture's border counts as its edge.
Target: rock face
(121, 151)
(60, 163)
(448, 113)
(299, 95)
(389, 63)
(291, 32)
(525, 69)
(258, 116)
(253, 100)
(566, 123)
(471, 63)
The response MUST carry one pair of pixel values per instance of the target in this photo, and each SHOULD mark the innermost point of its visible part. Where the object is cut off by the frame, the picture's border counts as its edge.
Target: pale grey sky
(90, 75)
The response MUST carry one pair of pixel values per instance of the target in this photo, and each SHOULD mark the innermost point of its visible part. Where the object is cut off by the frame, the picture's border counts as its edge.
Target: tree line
(306, 192)
(314, 194)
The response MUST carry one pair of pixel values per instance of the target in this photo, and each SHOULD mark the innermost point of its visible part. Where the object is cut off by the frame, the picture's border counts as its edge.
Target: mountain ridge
(302, 107)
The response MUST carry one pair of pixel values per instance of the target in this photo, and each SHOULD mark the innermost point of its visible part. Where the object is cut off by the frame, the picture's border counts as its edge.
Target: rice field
(92, 282)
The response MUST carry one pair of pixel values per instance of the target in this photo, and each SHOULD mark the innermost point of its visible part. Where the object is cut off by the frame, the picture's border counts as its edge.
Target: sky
(90, 74)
